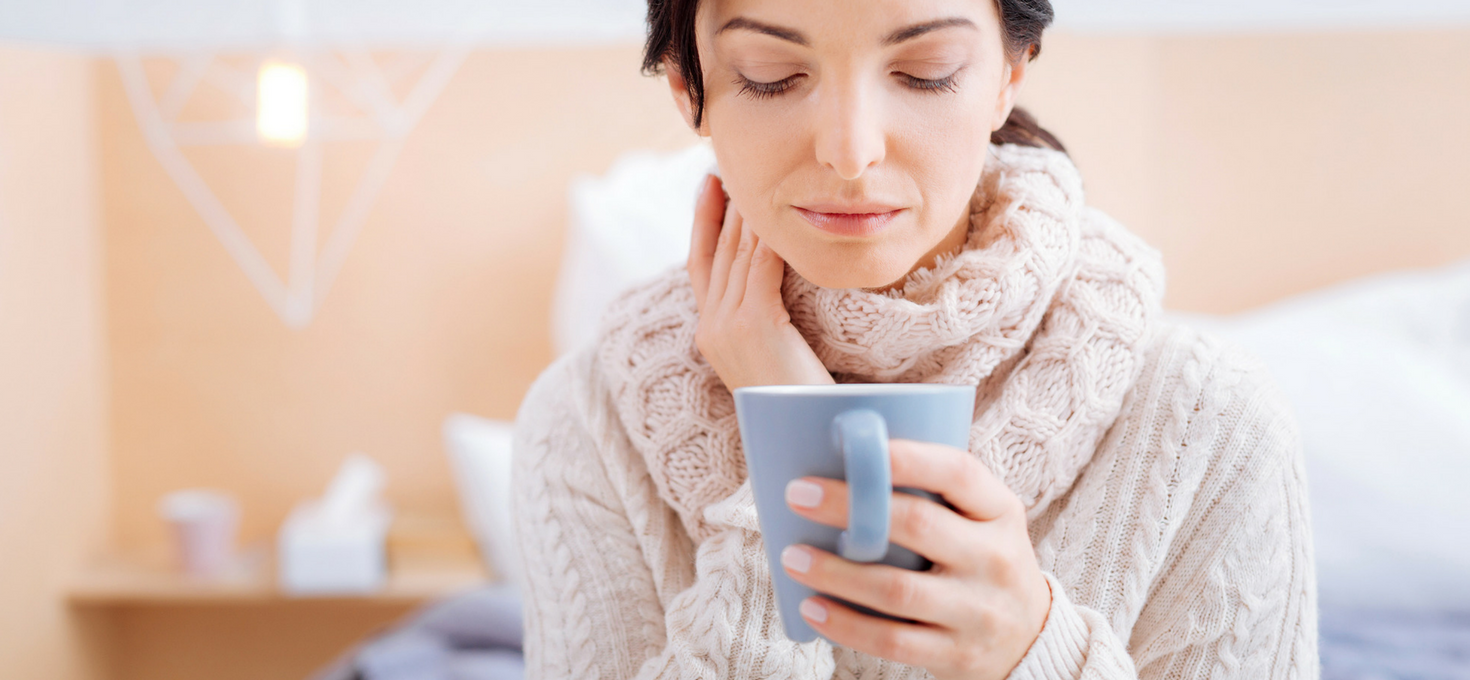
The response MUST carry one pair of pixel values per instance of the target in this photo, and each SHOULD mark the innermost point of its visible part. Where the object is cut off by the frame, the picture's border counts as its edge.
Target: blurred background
(241, 240)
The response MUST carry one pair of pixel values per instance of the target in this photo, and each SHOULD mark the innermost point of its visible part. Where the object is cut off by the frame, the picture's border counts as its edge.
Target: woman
(1132, 503)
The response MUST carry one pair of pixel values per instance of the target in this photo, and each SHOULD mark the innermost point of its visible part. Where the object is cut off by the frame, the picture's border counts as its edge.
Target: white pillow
(1378, 371)
(626, 226)
(480, 456)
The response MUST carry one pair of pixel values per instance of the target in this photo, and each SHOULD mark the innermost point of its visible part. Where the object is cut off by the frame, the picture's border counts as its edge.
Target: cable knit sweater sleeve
(614, 587)
(1199, 564)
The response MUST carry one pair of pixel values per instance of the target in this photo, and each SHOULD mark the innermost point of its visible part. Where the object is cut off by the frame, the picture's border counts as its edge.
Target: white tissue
(336, 544)
(353, 491)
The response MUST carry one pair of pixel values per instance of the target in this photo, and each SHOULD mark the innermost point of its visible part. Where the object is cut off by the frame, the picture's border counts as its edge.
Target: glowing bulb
(281, 104)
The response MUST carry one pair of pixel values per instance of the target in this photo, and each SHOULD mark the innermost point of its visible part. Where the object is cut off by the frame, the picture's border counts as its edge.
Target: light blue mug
(839, 432)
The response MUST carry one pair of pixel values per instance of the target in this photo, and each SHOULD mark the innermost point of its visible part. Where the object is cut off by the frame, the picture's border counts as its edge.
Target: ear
(1014, 78)
(679, 88)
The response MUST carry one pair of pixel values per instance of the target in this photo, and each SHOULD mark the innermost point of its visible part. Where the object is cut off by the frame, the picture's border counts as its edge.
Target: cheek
(944, 154)
(758, 153)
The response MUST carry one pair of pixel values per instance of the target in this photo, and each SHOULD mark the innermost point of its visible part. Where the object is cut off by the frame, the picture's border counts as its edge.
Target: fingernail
(705, 185)
(796, 559)
(803, 494)
(813, 610)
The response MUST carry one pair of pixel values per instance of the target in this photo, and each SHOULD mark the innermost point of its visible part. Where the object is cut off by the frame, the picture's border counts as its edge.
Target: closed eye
(945, 84)
(758, 90)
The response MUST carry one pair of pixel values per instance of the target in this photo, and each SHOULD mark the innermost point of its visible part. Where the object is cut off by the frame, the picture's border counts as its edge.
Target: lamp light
(281, 101)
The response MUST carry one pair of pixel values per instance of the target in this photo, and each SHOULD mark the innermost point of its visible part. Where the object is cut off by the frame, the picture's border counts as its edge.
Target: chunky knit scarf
(1045, 309)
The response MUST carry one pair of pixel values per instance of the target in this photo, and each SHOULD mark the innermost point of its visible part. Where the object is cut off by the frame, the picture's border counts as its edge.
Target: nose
(849, 134)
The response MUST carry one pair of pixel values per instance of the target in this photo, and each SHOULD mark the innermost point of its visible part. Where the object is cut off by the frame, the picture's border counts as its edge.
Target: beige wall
(1269, 165)
(53, 440)
(443, 303)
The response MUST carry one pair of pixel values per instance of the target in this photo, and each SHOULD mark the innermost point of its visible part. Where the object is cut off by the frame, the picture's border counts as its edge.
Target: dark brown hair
(671, 39)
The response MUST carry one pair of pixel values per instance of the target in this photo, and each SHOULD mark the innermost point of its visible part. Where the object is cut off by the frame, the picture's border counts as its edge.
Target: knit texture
(1160, 466)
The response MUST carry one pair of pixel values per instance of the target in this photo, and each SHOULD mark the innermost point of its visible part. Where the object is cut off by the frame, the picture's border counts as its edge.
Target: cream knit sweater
(1181, 549)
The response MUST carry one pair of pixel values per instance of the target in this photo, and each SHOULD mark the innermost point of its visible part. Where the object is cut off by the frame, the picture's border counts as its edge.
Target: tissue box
(322, 555)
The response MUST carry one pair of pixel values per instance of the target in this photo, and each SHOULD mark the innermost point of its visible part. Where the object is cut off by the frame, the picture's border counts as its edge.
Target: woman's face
(851, 135)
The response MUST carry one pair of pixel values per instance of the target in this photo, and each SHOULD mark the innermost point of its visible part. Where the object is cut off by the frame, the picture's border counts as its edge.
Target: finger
(959, 477)
(740, 269)
(767, 272)
(918, 595)
(725, 246)
(709, 212)
(917, 523)
(908, 643)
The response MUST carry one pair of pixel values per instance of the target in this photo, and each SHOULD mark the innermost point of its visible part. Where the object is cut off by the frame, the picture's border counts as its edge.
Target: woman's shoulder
(559, 402)
(650, 316)
(660, 305)
(646, 331)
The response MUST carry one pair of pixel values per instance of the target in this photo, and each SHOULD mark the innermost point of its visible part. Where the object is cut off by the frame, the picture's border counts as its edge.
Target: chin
(878, 261)
(843, 270)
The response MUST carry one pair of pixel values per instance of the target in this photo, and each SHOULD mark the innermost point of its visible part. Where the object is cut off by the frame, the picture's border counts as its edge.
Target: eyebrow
(917, 30)
(786, 34)
(794, 36)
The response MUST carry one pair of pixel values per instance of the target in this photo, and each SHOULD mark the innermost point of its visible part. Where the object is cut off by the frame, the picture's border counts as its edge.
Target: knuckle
(890, 645)
(747, 243)
(898, 457)
(918, 518)
(704, 337)
(901, 591)
(969, 469)
(739, 324)
(1000, 568)
(971, 658)
(994, 618)
(1011, 506)
(1016, 508)
(772, 315)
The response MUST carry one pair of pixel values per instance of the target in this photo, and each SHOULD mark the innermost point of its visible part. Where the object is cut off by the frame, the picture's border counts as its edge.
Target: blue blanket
(477, 636)
(1399, 645)
(474, 636)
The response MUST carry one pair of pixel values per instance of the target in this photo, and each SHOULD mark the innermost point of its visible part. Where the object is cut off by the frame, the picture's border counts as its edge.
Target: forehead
(847, 21)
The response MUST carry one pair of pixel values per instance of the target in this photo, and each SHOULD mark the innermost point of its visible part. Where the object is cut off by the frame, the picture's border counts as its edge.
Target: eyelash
(758, 90)
(945, 84)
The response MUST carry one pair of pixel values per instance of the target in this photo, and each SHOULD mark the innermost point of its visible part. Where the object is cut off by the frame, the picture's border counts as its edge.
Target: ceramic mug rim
(852, 389)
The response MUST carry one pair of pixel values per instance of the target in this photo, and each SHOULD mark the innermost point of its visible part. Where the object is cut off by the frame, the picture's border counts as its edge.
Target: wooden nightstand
(166, 626)
(148, 576)
(425, 561)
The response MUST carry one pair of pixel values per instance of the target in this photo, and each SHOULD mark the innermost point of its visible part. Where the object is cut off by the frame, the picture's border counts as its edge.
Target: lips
(849, 220)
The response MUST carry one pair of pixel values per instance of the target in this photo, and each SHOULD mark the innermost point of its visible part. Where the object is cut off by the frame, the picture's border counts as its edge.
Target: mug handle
(862, 436)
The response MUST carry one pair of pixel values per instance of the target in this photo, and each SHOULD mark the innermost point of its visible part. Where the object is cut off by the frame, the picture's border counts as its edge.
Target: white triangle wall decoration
(351, 72)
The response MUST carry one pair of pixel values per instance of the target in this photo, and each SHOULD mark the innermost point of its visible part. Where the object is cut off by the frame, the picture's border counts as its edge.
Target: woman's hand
(744, 329)
(977, 611)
